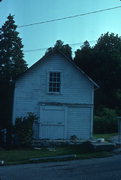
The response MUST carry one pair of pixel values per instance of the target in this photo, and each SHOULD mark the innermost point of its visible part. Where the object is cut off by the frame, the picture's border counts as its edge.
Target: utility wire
(69, 17)
(32, 50)
(43, 49)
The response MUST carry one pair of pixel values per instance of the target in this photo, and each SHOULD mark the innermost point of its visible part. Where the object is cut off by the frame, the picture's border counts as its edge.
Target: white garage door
(52, 122)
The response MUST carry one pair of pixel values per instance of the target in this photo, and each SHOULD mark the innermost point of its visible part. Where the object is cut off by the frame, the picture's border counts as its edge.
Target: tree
(12, 65)
(105, 121)
(103, 63)
(107, 57)
(83, 58)
(59, 45)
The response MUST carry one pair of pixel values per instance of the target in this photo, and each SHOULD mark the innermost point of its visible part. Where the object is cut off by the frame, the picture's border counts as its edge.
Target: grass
(23, 155)
(105, 136)
(20, 156)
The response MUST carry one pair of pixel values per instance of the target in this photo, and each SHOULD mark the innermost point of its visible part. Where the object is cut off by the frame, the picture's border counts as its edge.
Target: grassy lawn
(23, 155)
(105, 136)
(20, 156)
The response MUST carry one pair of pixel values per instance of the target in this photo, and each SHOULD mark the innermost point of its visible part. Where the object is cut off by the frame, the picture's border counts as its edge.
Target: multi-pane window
(54, 82)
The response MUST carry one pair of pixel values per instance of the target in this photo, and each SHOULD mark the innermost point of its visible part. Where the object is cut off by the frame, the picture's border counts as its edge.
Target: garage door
(52, 122)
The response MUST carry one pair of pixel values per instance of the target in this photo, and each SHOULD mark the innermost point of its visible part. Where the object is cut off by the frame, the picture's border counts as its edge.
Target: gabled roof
(56, 51)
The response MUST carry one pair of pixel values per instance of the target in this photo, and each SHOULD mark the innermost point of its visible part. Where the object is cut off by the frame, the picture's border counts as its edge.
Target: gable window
(54, 82)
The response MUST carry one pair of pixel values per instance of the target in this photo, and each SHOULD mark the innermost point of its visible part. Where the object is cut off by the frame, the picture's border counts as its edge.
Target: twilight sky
(70, 31)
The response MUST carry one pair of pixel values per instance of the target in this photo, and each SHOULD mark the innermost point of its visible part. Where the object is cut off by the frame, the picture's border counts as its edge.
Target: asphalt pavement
(108, 168)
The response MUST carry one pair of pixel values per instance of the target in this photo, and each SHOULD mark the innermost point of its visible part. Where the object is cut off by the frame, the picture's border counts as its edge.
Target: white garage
(60, 94)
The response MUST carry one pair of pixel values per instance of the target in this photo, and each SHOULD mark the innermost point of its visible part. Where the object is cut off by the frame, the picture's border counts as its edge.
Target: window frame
(48, 83)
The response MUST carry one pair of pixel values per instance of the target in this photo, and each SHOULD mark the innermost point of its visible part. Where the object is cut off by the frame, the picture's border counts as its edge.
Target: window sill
(54, 93)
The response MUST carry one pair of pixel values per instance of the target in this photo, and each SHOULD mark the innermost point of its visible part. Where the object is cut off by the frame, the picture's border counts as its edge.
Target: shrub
(105, 121)
(85, 147)
(24, 129)
(73, 138)
(1, 138)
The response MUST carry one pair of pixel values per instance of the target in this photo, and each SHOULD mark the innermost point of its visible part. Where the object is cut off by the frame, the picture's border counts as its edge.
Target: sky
(70, 31)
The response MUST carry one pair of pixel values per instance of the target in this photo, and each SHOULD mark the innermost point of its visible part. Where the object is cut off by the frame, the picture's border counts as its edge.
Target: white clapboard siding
(31, 90)
(79, 122)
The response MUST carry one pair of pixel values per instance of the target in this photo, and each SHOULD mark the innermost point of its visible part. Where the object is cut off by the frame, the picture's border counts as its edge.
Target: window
(54, 82)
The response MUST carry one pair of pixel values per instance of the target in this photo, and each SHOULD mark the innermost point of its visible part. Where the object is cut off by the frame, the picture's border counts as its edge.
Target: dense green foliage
(64, 48)
(12, 65)
(105, 121)
(103, 63)
(24, 129)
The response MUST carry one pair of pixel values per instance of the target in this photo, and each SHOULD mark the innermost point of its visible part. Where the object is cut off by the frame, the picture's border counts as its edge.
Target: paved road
(93, 169)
